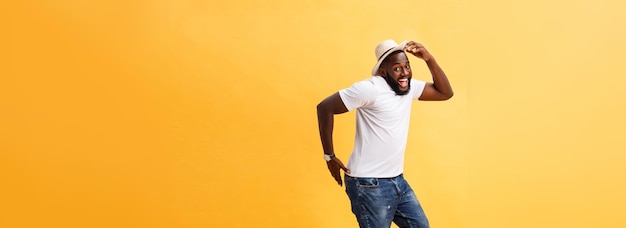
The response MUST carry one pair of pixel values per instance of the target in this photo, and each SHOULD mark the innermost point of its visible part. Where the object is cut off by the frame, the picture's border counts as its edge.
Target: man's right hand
(334, 166)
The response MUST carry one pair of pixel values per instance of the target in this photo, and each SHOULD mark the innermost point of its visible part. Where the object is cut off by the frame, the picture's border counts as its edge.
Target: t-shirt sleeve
(358, 95)
(418, 87)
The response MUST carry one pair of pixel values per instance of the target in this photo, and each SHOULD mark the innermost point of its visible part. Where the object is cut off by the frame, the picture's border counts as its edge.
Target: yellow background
(202, 113)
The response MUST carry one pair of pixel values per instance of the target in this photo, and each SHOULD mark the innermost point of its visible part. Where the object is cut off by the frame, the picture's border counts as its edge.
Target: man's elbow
(448, 96)
(441, 96)
(321, 108)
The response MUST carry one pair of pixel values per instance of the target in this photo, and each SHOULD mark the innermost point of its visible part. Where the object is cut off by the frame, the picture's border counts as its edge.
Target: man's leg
(409, 213)
(373, 201)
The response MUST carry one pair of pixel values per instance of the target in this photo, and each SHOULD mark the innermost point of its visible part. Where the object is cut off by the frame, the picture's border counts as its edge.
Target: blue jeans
(376, 202)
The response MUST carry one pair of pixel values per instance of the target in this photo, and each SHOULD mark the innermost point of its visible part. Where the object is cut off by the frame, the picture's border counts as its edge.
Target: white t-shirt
(382, 126)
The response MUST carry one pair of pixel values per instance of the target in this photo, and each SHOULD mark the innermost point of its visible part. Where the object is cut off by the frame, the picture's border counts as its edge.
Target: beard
(395, 86)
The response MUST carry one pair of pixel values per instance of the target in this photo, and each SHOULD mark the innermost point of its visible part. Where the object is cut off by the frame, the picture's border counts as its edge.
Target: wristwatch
(328, 157)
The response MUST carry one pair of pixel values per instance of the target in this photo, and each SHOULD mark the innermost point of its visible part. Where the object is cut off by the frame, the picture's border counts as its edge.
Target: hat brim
(387, 53)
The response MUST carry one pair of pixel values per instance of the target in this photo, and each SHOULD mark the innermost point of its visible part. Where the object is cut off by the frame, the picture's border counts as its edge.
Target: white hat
(384, 49)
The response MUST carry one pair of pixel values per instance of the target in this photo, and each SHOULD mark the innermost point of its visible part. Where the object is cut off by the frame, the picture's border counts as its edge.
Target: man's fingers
(413, 46)
(410, 48)
(337, 176)
(336, 160)
(345, 169)
(335, 166)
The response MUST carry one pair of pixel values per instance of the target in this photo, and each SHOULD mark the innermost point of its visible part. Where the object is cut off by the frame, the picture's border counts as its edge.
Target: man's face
(397, 72)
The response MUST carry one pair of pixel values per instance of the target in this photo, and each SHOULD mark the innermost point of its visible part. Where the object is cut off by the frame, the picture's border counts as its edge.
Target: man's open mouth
(403, 82)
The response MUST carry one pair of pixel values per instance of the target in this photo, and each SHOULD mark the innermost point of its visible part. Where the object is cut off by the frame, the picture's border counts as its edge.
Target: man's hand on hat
(418, 50)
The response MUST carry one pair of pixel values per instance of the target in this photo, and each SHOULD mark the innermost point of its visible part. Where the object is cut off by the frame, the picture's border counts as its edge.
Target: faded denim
(376, 202)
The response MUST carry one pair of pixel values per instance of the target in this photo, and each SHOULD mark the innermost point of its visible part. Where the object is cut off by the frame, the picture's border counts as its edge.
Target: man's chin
(401, 92)
(396, 87)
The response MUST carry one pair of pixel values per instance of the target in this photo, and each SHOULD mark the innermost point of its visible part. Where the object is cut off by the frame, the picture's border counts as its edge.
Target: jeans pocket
(367, 182)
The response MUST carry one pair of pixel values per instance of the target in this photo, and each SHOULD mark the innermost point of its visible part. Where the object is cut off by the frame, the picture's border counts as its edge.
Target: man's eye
(407, 67)
(396, 69)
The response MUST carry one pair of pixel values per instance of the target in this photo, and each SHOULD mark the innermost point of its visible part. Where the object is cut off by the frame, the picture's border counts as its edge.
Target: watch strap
(328, 157)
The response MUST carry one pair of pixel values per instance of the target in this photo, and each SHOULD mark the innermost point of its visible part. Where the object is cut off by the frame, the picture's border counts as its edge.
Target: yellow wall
(202, 113)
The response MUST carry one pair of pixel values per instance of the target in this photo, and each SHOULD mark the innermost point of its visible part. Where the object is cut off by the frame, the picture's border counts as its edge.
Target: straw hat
(383, 49)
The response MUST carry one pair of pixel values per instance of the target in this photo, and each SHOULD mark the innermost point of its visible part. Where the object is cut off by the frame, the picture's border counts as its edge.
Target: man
(378, 192)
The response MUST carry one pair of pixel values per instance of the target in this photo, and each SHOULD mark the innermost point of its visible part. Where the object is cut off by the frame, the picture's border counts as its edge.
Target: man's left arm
(439, 89)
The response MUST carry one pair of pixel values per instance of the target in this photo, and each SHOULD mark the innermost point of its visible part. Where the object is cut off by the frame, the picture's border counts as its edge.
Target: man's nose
(405, 71)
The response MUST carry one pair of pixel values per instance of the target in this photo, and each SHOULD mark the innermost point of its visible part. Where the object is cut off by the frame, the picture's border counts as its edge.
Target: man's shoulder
(361, 93)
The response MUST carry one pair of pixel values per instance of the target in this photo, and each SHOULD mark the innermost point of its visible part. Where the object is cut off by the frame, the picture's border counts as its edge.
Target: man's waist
(394, 177)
